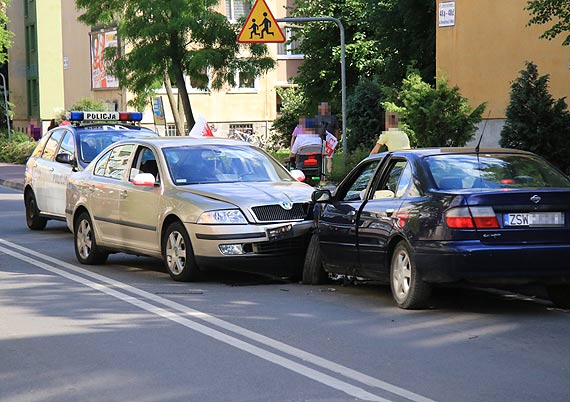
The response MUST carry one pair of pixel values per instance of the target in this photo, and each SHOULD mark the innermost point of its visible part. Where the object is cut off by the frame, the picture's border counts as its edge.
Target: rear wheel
(178, 255)
(313, 272)
(33, 218)
(408, 290)
(86, 249)
(560, 295)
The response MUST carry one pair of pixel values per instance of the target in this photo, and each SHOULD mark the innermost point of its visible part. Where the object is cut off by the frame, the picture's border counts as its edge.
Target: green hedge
(17, 150)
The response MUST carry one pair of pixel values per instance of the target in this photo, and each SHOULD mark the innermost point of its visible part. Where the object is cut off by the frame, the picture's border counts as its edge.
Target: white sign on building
(446, 17)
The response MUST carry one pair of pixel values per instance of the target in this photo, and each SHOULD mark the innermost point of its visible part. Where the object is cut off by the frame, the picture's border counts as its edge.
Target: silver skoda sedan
(196, 203)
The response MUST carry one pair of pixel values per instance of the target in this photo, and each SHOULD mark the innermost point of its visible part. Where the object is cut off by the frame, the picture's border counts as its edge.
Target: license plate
(534, 219)
(280, 233)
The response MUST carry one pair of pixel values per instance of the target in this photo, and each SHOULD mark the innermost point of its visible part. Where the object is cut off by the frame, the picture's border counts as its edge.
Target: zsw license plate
(534, 219)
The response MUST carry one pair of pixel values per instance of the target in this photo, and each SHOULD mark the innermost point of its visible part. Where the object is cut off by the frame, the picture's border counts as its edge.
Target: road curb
(12, 184)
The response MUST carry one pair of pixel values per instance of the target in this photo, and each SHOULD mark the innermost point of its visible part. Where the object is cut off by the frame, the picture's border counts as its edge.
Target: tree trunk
(181, 84)
(173, 105)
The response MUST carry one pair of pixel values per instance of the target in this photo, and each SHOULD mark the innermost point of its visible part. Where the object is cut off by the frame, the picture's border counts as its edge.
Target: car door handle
(51, 169)
(123, 193)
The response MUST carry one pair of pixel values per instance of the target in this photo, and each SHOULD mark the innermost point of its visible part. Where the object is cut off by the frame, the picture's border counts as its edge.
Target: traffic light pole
(6, 106)
(342, 70)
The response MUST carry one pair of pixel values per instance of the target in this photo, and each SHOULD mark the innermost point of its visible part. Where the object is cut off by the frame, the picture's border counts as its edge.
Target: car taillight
(471, 218)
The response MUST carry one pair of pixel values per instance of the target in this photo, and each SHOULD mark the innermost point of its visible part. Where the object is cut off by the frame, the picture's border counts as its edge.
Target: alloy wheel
(176, 252)
(84, 239)
(402, 275)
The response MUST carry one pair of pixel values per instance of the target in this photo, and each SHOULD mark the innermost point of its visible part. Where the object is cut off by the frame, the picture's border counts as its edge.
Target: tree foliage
(383, 38)
(535, 121)
(293, 105)
(365, 115)
(88, 104)
(5, 35)
(556, 12)
(182, 37)
(438, 116)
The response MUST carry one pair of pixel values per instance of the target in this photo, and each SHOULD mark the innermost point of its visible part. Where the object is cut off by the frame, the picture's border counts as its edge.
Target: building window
(171, 130)
(290, 48)
(245, 80)
(237, 8)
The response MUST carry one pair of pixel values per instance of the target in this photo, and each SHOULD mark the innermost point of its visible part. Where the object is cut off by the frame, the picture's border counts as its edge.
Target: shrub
(440, 116)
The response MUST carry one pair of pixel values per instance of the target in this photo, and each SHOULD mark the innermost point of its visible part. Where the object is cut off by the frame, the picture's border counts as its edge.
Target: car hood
(250, 194)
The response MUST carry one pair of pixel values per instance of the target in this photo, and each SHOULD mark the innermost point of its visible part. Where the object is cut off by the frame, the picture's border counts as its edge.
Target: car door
(43, 174)
(379, 217)
(139, 205)
(60, 174)
(338, 220)
(108, 174)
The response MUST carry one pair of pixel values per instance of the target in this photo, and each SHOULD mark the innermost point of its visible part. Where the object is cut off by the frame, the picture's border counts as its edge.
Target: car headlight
(223, 217)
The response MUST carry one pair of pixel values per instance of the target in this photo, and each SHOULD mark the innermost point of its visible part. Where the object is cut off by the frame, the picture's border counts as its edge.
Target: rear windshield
(456, 172)
(91, 143)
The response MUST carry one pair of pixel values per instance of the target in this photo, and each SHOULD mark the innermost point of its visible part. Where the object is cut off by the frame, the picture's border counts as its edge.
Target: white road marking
(187, 311)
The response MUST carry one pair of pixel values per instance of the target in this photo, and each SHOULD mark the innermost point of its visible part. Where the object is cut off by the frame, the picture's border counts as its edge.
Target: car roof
(163, 142)
(423, 152)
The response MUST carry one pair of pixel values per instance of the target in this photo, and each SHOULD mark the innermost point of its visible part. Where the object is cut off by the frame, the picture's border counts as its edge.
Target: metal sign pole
(6, 106)
(342, 71)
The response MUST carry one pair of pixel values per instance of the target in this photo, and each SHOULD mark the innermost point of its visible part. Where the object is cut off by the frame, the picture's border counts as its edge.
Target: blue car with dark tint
(421, 217)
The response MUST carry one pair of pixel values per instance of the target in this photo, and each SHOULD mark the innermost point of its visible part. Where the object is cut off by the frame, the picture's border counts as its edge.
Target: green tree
(365, 114)
(294, 104)
(438, 116)
(5, 35)
(556, 12)
(383, 38)
(181, 37)
(535, 121)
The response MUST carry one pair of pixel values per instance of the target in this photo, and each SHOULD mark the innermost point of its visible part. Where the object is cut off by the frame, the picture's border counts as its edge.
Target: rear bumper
(473, 261)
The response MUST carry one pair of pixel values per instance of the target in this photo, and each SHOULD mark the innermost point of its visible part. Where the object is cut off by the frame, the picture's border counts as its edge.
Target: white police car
(70, 148)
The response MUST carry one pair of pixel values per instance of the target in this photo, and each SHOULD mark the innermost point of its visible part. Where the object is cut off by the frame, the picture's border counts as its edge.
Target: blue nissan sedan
(420, 217)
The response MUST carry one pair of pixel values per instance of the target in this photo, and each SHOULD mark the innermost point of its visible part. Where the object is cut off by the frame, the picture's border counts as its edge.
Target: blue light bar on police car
(104, 116)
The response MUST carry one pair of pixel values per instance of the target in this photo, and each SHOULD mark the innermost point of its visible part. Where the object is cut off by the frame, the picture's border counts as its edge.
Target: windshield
(494, 171)
(222, 164)
(91, 143)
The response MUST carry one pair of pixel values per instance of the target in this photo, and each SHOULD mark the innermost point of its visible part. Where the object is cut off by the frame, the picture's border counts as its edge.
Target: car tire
(408, 290)
(86, 249)
(313, 271)
(178, 255)
(33, 218)
(560, 295)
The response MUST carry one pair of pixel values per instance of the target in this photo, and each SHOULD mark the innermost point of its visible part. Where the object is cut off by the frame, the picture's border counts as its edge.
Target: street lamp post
(6, 106)
(342, 70)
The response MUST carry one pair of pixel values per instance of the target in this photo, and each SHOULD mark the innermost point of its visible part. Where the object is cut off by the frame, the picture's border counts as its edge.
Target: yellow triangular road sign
(260, 26)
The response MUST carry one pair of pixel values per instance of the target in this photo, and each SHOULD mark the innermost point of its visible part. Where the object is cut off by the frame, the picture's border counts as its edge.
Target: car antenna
(482, 132)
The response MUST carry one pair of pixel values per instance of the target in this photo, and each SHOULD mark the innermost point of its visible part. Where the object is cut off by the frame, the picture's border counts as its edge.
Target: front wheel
(86, 249)
(560, 295)
(178, 255)
(408, 290)
(33, 218)
(313, 272)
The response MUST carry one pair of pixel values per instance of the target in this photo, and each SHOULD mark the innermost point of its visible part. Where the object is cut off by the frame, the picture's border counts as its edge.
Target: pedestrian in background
(327, 122)
(64, 121)
(393, 137)
(52, 124)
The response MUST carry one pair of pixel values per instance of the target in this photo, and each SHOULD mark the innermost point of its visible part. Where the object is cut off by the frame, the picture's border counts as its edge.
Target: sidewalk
(12, 175)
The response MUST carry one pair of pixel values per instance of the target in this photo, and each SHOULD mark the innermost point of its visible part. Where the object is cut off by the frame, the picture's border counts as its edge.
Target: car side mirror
(144, 179)
(298, 175)
(64, 158)
(321, 195)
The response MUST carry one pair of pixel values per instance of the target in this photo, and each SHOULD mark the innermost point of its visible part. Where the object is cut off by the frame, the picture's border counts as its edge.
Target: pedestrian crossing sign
(260, 26)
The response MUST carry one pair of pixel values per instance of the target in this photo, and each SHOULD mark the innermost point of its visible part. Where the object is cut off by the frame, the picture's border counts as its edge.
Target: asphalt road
(125, 331)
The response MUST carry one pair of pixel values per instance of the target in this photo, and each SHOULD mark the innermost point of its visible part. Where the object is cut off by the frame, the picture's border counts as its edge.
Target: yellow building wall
(17, 66)
(488, 46)
(50, 57)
